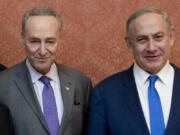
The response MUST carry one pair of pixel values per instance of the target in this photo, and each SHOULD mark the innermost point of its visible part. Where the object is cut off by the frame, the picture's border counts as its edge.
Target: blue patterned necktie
(49, 106)
(155, 109)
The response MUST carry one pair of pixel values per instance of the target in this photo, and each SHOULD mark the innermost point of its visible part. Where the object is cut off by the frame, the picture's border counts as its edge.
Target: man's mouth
(42, 59)
(152, 57)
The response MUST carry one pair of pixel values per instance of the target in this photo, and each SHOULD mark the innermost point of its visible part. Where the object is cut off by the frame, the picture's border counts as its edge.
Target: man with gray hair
(144, 99)
(45, 98)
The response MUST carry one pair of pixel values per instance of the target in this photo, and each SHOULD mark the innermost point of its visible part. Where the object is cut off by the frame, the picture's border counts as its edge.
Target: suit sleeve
(88, 99)
(6, 127)
(97, 119)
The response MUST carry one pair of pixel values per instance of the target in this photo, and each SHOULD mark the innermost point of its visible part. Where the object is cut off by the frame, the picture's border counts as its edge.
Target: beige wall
(93, 33)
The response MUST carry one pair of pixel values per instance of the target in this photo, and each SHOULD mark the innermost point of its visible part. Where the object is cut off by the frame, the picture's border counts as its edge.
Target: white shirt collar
(165, 73)
(142, 76)
(52, 74)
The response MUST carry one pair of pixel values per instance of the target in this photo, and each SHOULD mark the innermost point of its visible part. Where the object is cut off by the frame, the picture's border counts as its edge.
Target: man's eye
(50, 42)
(142, 40)
(34, 41)
(158, 37)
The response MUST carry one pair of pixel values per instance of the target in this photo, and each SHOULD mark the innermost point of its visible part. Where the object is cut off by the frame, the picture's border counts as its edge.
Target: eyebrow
(36, 38)
(33, 38)
(51, 39)
(159, 33)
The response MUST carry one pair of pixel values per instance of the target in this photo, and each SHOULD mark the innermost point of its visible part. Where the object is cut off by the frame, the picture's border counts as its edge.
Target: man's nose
(151, 45)
(42, 48)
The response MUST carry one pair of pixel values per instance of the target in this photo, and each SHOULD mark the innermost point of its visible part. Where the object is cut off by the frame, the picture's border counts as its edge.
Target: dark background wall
(92, 39)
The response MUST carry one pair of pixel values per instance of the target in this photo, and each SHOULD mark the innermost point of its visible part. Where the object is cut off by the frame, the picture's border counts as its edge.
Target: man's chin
(153, 69)
(43, 71)
(42, 68)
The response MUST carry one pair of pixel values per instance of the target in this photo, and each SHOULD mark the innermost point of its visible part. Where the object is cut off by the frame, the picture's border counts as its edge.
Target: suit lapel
(67, 91)
(133, 101)
(25, 86)
(175, 103)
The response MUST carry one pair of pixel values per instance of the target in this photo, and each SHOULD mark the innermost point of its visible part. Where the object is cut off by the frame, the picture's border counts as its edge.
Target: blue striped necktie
(155, 109)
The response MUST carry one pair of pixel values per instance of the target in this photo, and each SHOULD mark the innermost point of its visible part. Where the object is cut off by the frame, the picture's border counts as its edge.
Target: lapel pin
(67, 88)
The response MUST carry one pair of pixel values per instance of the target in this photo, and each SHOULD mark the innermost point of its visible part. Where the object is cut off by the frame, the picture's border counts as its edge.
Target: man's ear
(23, 41)
(171, 35)
(129, 43)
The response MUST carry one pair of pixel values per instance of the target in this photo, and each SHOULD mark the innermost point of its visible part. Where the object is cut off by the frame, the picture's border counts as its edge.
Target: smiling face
(150, 42)
(41, 42)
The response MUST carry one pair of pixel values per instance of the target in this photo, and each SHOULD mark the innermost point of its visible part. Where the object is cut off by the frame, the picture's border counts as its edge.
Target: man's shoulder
(117, 78)
(176, 69)
(115, 84)
(71, 72)
(10, 72)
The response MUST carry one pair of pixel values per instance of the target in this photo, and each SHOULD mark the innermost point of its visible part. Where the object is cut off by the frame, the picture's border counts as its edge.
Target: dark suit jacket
(116, 108)
(17, 92)
(6, 127)
(2, 67)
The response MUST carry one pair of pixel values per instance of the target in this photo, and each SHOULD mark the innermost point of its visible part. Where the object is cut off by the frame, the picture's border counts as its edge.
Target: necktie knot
(45, 80)
(152, 79)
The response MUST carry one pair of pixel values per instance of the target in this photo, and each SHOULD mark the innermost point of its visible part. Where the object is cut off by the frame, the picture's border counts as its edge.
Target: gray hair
(148, 10)
(40, 11)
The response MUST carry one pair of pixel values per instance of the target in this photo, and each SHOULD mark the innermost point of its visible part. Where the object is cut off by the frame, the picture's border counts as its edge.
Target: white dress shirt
(55, 83)
(164, 86)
